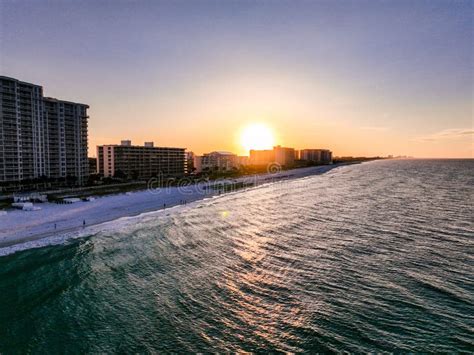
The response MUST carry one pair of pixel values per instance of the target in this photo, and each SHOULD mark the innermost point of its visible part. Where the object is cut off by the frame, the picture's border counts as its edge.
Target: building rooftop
(128, 144)
(40, 86)
(221, 152)
(20, 81)
(64, 101)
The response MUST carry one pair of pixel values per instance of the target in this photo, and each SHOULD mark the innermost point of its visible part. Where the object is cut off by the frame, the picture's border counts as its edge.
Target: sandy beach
(19, 226)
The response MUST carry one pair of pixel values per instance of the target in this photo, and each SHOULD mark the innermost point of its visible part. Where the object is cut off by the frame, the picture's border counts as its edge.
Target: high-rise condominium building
(190, 162)
(284, 156)
(261, 157)
(280, 155)
(132, 161)
(319, 156)
(40, 138)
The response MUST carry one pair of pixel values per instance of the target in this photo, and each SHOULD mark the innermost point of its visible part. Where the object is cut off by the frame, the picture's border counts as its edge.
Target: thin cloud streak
(447, 134)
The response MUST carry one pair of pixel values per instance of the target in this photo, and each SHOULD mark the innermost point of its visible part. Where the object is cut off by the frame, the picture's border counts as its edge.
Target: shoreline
(20, 227)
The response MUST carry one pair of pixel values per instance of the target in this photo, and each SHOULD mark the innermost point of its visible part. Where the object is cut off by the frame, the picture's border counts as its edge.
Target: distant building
(216, 161)
(243, 161)
(284, 156)
(261, 157)
(297, 154)
(189, 162)
(92, 166)
(133, 161)
(318, 156)
(40, 137)
(279, 155)
(197, 163)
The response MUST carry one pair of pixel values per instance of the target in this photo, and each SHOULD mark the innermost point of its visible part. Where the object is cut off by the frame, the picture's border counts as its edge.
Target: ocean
(374, 257)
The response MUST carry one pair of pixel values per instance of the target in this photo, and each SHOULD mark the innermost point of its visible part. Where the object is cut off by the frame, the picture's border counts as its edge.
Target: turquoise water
(370, 257)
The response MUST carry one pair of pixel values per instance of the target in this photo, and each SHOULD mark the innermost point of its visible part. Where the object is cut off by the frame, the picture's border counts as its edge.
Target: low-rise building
(216, 161)
(133, 161)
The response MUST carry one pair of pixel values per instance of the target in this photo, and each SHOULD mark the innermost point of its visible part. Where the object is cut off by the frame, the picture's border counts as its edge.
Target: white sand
(18, 226)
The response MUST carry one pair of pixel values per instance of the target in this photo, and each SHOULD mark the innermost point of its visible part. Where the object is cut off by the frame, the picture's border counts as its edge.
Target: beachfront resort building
(190, 162)
(243, 160)
(284, 156)
(41, 138)
(216, 161)
(92, 166)
(278, 155)
(317, 156)
(140, 162)
(261, 157)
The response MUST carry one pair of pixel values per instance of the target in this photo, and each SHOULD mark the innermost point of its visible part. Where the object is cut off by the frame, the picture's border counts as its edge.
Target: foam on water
(373, 257)
(122, 223)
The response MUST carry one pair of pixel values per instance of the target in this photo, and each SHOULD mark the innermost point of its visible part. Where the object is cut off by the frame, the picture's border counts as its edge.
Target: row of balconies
(7, 105)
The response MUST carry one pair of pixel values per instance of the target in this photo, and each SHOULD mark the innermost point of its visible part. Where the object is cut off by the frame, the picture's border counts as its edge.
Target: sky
(357, 77)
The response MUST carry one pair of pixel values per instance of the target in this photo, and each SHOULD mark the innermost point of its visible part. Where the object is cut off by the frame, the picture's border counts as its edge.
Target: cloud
(447, 134)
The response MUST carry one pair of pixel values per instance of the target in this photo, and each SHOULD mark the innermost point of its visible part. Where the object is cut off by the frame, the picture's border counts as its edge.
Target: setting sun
(257, 136)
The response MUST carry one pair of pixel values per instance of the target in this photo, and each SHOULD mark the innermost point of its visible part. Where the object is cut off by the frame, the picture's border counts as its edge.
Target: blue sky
(360, 77)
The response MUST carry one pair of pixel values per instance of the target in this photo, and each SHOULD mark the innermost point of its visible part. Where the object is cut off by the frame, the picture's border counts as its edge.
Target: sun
(257, 136)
